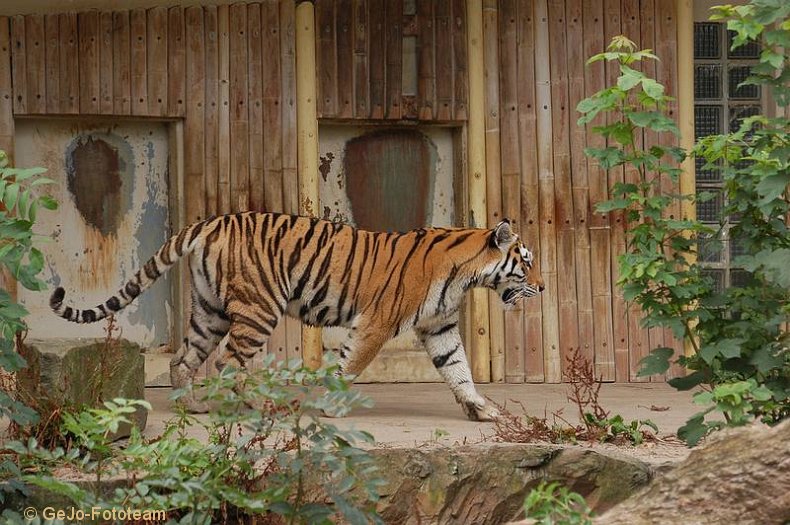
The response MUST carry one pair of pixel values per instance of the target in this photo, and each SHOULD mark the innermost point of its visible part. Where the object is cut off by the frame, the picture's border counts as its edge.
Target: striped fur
(249, 269)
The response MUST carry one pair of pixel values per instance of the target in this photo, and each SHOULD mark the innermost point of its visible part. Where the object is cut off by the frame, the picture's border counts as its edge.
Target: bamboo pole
(685, 94)
(478, 305)
(307, 145)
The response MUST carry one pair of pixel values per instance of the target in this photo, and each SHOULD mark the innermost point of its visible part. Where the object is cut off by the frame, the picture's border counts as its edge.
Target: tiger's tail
(172, 250)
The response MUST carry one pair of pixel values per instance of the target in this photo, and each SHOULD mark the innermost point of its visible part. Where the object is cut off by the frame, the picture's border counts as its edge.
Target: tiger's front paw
(480, 411)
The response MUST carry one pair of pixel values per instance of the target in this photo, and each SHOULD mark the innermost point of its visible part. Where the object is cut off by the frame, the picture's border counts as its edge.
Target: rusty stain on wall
(93, 171)
(391, 173)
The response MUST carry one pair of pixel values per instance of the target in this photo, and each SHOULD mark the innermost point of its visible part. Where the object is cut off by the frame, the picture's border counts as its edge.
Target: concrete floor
(411, 414)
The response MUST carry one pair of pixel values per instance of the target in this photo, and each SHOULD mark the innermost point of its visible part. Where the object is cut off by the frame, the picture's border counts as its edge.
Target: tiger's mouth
(511, 295)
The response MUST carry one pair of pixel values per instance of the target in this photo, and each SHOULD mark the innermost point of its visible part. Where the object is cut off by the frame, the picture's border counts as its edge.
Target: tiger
(247, 270)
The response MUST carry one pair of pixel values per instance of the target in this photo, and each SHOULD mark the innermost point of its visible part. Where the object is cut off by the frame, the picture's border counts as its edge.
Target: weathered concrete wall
(112, 188)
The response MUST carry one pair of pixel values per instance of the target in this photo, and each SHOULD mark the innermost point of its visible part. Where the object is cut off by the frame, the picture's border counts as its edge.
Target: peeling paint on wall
(113, 215)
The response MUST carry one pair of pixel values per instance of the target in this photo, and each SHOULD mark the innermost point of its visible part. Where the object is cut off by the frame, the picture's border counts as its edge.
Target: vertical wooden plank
(106, 105)
(530, 184)
(648, 40)
(6, 88)
(326, 55)
(293, 328)
(361, 76)
(139, 68)
(272, 146)
(224, 191)
(613, 27)
(213, 110)
(69, 80)
(52, 57)
(378, 36)
(460, 73)
(548, 238)
(638, 341)
(600, 249)
(345, 59)
(272, 113)
(19, 64)
(195, 110)
(444, 59)
(88, 23)
(426, 76)
(239, 120)
(176, 62)
(580, 181)
(6, 116)
(667, 74)
(563, 194)
(36, 64)
(511, 173)
(121, 64)
(492, 140)
(255, 99)
(394, 23)
(157, 61)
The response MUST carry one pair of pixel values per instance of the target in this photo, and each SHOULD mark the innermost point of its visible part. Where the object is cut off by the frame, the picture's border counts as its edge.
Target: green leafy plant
(274, 463)
(553, 504)
(21, 261)
(739, 344)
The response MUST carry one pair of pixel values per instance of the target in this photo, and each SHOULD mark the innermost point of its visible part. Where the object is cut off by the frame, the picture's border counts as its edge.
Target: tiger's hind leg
(207, 327)
(249, 332)
(444, 346)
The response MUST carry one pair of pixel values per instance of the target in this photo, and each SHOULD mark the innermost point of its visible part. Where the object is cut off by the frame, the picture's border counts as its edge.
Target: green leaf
(11, 193)
(628, 78)
(688, 382)
(726, 348)
(657, 362)
(694, 430)
(773, 186)
(652, 88)
(48, 202)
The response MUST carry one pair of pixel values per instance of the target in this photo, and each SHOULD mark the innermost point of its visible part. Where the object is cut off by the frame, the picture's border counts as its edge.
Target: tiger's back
(249, 269)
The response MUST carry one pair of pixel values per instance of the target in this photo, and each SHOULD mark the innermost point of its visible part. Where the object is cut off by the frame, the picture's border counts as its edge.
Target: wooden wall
(359, 56)
(551, 186)
(227, 73)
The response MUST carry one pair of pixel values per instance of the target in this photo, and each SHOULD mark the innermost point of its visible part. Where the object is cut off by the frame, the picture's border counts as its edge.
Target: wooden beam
(685, 96)
(307, 145)
(479, 345)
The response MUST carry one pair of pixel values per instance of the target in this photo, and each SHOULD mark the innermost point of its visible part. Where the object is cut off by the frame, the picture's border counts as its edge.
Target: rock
(82, 372)
(740, 476)
(487, 483)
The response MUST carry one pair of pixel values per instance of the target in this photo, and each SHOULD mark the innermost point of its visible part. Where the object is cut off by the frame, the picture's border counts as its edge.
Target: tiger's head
(517, 274)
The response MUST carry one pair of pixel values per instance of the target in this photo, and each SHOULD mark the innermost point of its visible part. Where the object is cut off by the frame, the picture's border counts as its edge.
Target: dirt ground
(424, 414)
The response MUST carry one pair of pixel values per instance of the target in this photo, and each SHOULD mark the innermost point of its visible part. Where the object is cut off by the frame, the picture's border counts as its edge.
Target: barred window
(721, 102)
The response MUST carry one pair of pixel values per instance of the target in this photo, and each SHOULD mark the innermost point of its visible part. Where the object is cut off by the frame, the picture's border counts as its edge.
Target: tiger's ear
(502, 236)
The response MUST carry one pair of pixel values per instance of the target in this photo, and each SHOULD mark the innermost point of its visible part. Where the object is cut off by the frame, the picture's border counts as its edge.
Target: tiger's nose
(541, 288)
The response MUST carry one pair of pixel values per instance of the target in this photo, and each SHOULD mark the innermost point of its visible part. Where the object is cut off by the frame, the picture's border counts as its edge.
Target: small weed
(551, 503)
(596, 423)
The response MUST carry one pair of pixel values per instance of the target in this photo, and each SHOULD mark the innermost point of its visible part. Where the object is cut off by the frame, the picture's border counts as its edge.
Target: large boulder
(83, 372)
(740, 476)
(487, 483)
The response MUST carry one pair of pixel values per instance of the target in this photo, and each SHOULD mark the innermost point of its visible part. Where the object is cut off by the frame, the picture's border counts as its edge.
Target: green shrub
(275, 463)
(739, 336)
